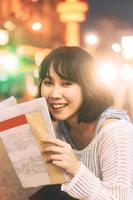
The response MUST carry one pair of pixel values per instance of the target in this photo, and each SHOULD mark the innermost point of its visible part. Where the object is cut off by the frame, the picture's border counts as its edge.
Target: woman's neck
(82, 133)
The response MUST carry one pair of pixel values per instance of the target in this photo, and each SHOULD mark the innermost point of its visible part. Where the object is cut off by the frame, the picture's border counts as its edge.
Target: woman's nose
(56, 92)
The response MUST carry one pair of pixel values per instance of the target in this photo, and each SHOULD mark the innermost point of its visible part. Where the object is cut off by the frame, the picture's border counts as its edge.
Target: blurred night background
(30, 29)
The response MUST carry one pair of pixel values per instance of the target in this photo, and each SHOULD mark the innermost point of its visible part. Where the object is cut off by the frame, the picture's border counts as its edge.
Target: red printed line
(13, 122)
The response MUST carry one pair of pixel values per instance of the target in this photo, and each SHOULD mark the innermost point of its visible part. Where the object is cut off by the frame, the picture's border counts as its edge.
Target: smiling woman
(60, 95)
(94, 144)
(68, 68)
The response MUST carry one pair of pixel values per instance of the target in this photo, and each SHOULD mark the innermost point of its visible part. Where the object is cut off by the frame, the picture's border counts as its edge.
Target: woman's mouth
(58, 107)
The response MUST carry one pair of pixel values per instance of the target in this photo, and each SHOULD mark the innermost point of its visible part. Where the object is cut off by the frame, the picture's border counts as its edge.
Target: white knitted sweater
(106, 172)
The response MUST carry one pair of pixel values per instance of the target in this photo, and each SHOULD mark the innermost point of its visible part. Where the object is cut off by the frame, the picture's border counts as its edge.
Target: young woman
(95, 140)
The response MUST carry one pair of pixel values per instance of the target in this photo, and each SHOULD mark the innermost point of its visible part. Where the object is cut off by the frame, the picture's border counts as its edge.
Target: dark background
(121, 9)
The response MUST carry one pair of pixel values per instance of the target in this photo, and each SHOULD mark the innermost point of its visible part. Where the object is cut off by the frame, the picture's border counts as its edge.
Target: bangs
(64, 65)
(65, 68)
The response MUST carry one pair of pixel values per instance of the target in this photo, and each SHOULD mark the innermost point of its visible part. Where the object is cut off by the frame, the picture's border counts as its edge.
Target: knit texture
(106, 172)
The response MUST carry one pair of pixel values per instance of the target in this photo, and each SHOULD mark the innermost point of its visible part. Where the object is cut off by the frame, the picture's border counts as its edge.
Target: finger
(56, 141)
(54, 149)
(59, 157)
(58, 163)
(48, 160)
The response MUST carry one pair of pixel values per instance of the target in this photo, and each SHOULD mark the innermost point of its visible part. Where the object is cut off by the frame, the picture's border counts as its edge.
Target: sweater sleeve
(115, 160)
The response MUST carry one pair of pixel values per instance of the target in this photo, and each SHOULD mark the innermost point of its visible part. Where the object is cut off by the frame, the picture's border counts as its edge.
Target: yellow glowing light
(4, 37)
(107, 72)
(127, 72)
(71, 17)
(72, 34)
(9, 25)
(116, 47)
(36, 26)
(72, 11)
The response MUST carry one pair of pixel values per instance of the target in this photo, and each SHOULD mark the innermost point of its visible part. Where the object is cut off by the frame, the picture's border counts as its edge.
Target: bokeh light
(36, 26)
(107, 72)
(9, 62)
(126, 72)
(116, 47)
(127, 44)
(4, 37)
(92, 39)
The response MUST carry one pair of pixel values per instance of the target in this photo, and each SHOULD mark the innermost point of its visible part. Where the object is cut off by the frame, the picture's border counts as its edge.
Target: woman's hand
(61, 154)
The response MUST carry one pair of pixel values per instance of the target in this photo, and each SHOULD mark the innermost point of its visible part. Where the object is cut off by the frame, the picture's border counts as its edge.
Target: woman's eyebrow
(47, 76)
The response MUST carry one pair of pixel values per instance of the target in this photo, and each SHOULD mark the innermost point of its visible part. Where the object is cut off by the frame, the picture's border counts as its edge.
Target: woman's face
(63, 97)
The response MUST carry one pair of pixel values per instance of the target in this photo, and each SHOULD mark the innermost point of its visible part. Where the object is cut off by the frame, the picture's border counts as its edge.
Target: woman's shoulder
(113, 118)
(113, 129)
(115, 138)
(116, 123)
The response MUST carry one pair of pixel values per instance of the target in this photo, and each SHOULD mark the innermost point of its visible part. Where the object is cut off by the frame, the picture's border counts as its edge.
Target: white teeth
(57, 106)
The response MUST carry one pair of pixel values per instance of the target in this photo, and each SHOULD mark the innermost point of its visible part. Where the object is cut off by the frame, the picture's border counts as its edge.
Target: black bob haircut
(77, 65)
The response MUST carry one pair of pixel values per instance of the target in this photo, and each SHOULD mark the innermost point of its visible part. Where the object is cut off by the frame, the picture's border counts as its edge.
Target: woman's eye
(67, 83)
(47, 82)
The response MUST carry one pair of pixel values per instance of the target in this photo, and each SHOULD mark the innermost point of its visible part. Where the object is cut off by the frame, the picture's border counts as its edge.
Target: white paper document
(21, 128)
(7, 102)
